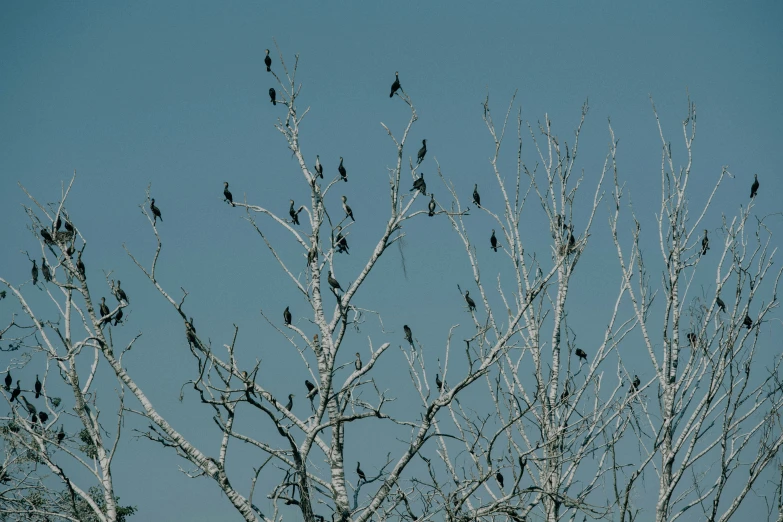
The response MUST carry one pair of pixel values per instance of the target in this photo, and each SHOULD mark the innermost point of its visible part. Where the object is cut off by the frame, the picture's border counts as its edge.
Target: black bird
(396, 85)
(69, 226)
(120, 293)
(333, 282)
(30, 408)
(438, 382)
(581, 354)
(45, 270)
(565, 394)
(105, 311)
(287, 316)
(60, 435)
(342, 171)
(319, 169)
(720, 303)
(44, 417)
(37, 387)
(80, 265)
(311, 389)
(290, 402)
(408, 334)
(471, 302)
(15, 393)
(34, 271)
(294, 214)
(420, 185)
(8, 381)
(705, 243)
(755, 187)
(493, 241)
(272, 95)
(422, 152)
(347, 209)
(268, 62)
(340, 241)
(359, 472)
(635, 384)
(70, 250)
(748, 322)
(431, 205)
(499, 477)
(476, 197)
(312, 255)
(227, 196)
(155, 212)
(58, 223)
(692, 339)
(46, 236)
(33, 418)
(118, 317)
(358, 363)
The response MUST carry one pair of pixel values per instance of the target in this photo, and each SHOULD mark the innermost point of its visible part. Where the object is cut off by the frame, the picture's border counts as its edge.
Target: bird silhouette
(272, 95)
(47, 237)
(705, 243)
(720, 303)
(155, 212)
(287, 316)
(419, 185)
(227, 194)
(333, 282)
(293, 213)
(755, 187)
(105, 312)
(431, 205)
(581, 354)
(635, 384)
(290, 402)
(493, 241)
(358, 363)
(118, 317)
(80, 265)
(45, 270)
(748, 322)
(268, 61)
(476, 197)
(120, 293)
(340, 242)
(470, 301)
(37, 387)
(422, 152)
(396, 85)
(319, 169)
(44, 417)
(16, 391)
(347, 209)
(8, 381)
(342, 171)
(499, 478)
(438, 382)
(60, 435)
(408, 334)
(34, 271)
(359, 472)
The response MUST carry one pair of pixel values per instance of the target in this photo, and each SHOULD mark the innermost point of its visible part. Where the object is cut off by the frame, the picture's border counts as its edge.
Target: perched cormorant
(581, 354)
(359, 472)
(80, 265)
(69, 226)
(60, 434)
(8, 381)
(105, 311)
(408, 334)
(46, 236)
(499, 478)
(347, 209)
(438, 382)
(422, 152)
(755, 187)
(70, 251)
(34, 271)
(565, 394)
(333, 282)
(120, 293)
(340, 241)
(155, 212)
(635, 384)
(319, 169)
(287, 316)
(419, 185)
(720, 303)
(342, 171)
(493, 241)
(44, 417)
(272, 95)
(30, 408)
(396, 85)
(15, 393)
(33, 418)
(431, 205)
(470, 301)
(293, 213)
(311, 389)
(118, 317)
(268, 61)
(692, 339)
(45, 270)
(290, 404)
(358, 363)
(476, 197)
(227, 196)
(58, 223)
(37, 387)
(705, 243)
(748, 322)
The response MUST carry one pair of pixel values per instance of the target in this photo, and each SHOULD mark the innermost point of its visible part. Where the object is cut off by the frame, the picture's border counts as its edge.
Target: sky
(173, 95)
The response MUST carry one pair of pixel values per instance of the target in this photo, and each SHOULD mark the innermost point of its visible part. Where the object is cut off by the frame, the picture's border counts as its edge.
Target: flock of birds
(35, 415)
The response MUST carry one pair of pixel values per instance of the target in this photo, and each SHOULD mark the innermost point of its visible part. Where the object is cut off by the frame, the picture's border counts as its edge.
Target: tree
(558, 415)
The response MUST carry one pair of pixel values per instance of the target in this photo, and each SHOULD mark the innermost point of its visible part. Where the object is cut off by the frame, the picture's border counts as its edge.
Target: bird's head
(267, 51)
(357, 354)
(225, 184)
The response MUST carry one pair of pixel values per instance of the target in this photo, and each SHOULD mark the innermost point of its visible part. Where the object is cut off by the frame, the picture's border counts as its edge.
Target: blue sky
(175, 94)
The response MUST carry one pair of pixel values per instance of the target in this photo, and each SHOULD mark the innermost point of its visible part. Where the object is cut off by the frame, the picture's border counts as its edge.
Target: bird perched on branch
(58, 223)
(396, 85)
(419, 185)
(45, 270)
(47, 237)
(105, 312)
(359, 472)
(470, 301)
(499, 478)
(287, 316)
(312, 391)
(119, 293)
(30, 408)
(755, 187)
(227, 194)
(422, 152)
(44, 417)
(37, 387)
(294, 213)
(34, 272)
(340, 242)
(290, 402)
(8, 381)
(272, 95)
(358, 362)
(431, 206)
(155, 212)
(720, 303)
(69, 225)
(342, 171)
(581, 354)
(635, 384)
(319, 169)
(493, 241)
(118, 317)
(408, 334)
(333, 282)
(748, 322)
(16, 391)
(476, 197)
(438, 382)
(60, 435)
(80, 265)
(705, 243)
(268, 61)
(347, 209)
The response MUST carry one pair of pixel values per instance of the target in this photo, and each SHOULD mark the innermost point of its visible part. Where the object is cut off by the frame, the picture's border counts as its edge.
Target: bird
(359, 472)
(290, 402)
(564, 395)
(45, 270)
(311, 388)
(396, 85)
(431, 205)
(499, 477)
(470, 301)
(422, 152)
(705, 243)
(58, 223)
(293, 213)
(755, 187)
(319, 169)
(15, 393)
(493, 241)
(33, 418)
(748, 322)
(340, 241)
(80, 265)
(581, 354)
(120, 293)
(105, 311)
(408, 334)
(476, 197)
(30, 408)
(347, 209)
(155, 212)
(287, 316)
(8, 381)
(268, 62)
(312, 254)
(635, 384)
(342, 171)
(358, 363)
(118, 317)
(60, 435)
(69, 226)
(44, 417)
(34, 271)
(333, 282)
(692, 339)
(419, 185)
(438, 382)
(720, 303)
(46, 236)
(227, 196)
(37, 387)
(272, 95)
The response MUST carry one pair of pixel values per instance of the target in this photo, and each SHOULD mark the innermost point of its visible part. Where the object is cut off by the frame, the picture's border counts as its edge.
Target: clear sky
(175, 94)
